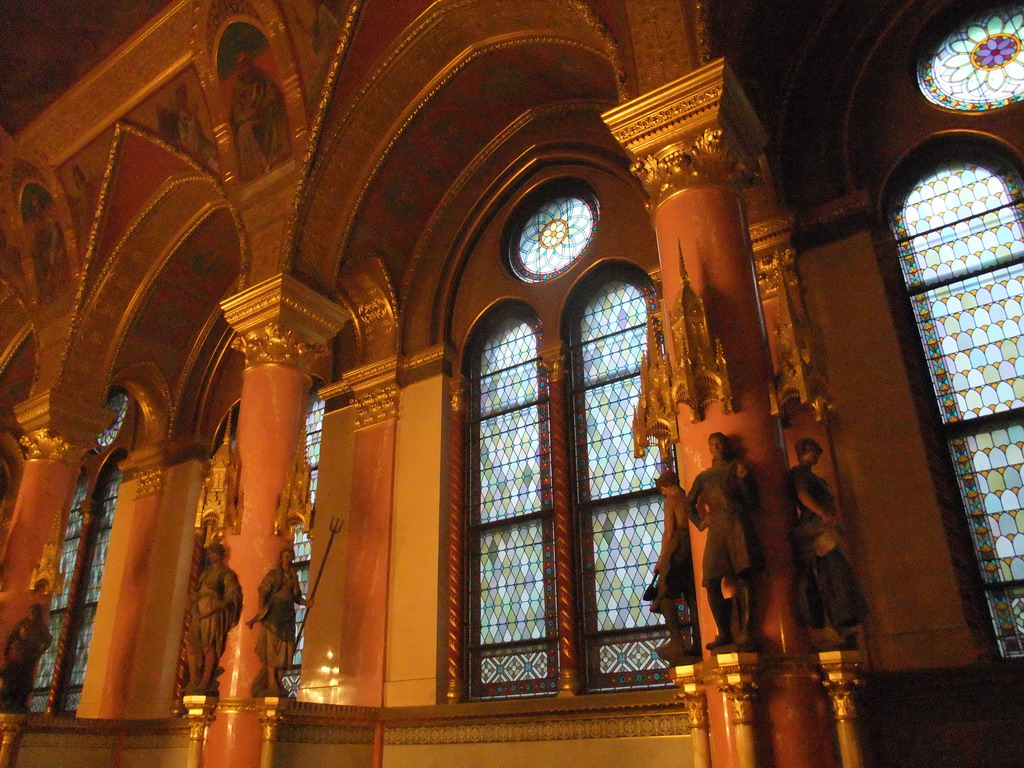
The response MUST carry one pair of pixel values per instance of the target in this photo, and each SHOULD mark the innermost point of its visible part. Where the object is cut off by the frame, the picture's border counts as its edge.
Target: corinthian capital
(44, 444)
(273, 344)
(59, 427)
(697, 130)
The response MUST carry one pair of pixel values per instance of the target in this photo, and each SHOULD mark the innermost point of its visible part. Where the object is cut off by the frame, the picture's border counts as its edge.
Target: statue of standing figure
(279, 592)
(727, 492)
(829, 597)
(674, 571)
(216, 609)
(26, 643)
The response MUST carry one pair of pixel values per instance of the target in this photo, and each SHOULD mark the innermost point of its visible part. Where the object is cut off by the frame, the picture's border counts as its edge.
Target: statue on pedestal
(727, 493)
(279, 592)
(216, 609)
(26, 643)
(674, 571)
(829, 597)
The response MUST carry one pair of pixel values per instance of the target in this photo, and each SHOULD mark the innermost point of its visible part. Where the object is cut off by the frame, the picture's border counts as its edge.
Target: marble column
(841, 677)
(281, 326)
(692, 142)
(58, 429)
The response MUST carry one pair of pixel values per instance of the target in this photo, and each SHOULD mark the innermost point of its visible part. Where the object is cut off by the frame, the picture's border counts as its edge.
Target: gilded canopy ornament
(655, 416)
(798, 381)
(701, 375)
(46, 576)
(219, 507)
(295, 507)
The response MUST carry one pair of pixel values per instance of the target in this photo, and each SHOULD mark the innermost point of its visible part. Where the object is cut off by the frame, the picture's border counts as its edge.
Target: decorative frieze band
(562, 729)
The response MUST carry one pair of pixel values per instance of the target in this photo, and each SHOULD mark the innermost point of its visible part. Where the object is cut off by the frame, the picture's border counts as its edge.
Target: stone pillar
(690, 680)
(554, 364)
(841, 678)
(58, 429)
(368, 522)
(282, 325)
(691, 142)
(199, 714)
(736, 674)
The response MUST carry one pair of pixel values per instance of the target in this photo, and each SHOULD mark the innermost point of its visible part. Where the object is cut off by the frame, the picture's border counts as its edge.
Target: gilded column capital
(697, 130)
(272, 344)
(737, 674)
(690, 681)
(841, 677)
(59, 427)
(552, 360)
(282, 320)
(147, 467)
(374, 391)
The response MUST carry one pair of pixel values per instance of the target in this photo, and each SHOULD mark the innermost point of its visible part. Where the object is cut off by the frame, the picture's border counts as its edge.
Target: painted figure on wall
(727, 493)
(26, 643)
(216, 609)
(674, 571)
(178, 122)
(829, 596)
(46, 242)
(259, 123)
(82, 195)
(279, 593)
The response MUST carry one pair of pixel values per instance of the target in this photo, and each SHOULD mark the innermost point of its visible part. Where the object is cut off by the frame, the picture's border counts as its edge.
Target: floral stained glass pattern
(553, 238)
(990, 464)
(980, 65)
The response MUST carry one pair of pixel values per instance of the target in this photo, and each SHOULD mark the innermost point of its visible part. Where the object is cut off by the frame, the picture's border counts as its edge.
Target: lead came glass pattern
(302, 543)
(990, 464)
(962, 247)
(118, 403)
(553, 238)
(105, 503)
(961, 241)
(980, 65)
(621, 513)
(512, 570)
(59, 600)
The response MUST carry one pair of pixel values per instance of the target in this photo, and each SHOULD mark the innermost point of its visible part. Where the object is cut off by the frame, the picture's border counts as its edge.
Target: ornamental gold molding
(656, 412)
(46, 576)
(149, 482)
(562, 729)
(272, 344)
(376, 406)
(699, 129)
(700, 375)
(42, 444)
(798, 380)
(688, 678)
(219, 508)
(737, 672)
(552, 362)
(374, 391)
(294, 507)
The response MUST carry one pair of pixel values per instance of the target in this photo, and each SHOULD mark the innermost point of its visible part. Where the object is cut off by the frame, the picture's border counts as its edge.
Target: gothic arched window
(961, 242)
(513, 637)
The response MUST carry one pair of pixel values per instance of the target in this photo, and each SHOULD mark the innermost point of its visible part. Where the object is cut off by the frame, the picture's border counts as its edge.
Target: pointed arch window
(961, 241)
(618, 507)
(512, 592)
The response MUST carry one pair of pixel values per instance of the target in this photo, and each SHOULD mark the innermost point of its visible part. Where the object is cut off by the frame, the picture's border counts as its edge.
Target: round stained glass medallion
(118, 403)
(553, 238)
(980, 65)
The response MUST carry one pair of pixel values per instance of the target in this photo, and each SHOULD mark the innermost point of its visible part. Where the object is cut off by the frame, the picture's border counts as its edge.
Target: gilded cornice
(153, 56)
(835, 215)
(771, 233)
(290, 304)
(699, 129)
(51, 415)
(427, 356)
(374, 391)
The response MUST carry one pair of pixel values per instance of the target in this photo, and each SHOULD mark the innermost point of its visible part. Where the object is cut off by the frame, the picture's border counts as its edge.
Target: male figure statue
(675, 571)
(216, 608)
(26, 643)
(279, 592)
(727, 492)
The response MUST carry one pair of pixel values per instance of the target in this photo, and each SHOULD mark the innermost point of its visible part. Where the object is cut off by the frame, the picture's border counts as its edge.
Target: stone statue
(278, 594)
(216, 609)
(829, 597)
(27, 641)
(674, 571)
(727, 493)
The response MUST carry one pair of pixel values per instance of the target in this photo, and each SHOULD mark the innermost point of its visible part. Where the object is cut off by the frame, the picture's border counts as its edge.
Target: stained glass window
(59, 601)
(104, 502)
(962, 248)
(553, 237)
(303, 545)
(512, 594)
(621, 511)
(980, 65)
(118, 403)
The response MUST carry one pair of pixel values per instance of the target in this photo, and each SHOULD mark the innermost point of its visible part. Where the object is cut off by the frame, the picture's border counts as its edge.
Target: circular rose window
(552, 238)
(979, 65)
